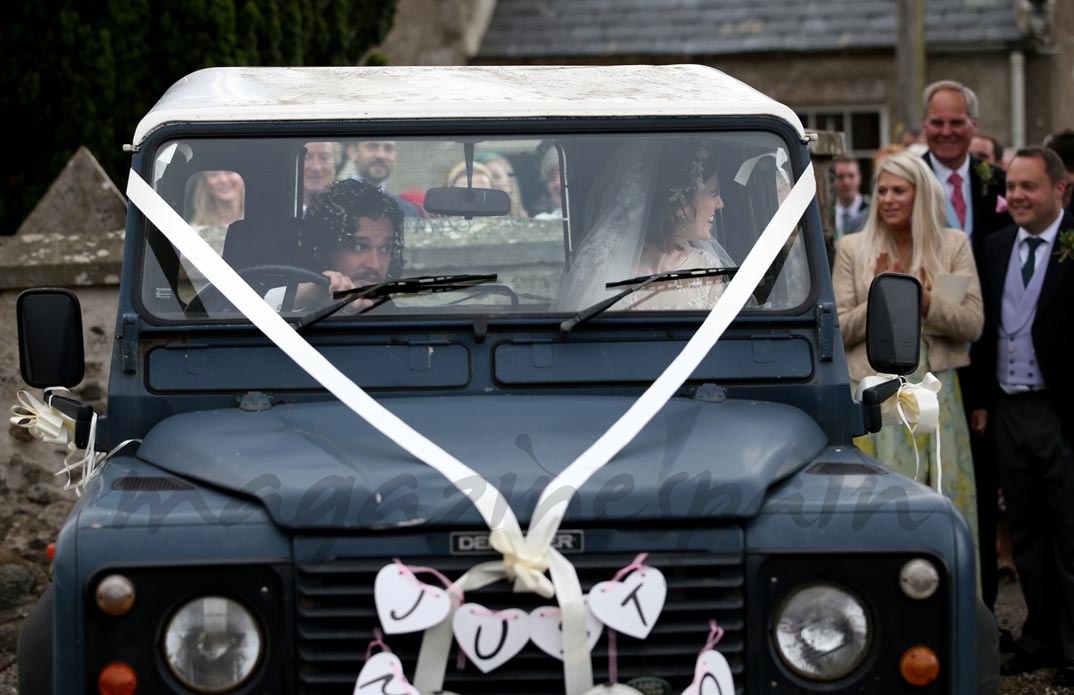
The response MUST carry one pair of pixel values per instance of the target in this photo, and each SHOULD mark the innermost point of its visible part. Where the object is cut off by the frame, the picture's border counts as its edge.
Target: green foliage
(82, 72)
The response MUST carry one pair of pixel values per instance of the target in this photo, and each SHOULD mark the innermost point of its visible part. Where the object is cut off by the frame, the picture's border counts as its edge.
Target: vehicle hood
(320, 466)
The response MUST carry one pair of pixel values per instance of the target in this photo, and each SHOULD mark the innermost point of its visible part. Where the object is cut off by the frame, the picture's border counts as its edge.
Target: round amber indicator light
(919, 666)
(117, 679)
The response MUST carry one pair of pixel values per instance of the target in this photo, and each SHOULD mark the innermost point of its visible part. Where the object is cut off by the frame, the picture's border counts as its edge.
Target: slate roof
(535, 29)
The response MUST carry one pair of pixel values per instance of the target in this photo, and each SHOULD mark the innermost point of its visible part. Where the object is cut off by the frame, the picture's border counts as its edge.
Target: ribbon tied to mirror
(916, 407)
(52, 426)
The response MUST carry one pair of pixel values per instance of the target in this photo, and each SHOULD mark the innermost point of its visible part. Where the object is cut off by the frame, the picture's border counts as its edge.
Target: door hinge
(128, 343)
(825, 331)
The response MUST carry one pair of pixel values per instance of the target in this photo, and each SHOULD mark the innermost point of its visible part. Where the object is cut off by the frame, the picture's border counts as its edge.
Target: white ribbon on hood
(524, 556)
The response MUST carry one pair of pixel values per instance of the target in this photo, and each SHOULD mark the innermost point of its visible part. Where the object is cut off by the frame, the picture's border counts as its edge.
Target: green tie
(1031, 259)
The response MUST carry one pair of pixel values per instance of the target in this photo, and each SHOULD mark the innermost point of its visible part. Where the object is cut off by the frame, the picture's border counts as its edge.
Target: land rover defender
(521, 418)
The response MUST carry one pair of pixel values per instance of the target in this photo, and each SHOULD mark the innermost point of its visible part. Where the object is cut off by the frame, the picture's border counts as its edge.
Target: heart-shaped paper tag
(630, 606)
(490, 638)
(712, 675)
(546, 630)
(382, 674)
(407, 604)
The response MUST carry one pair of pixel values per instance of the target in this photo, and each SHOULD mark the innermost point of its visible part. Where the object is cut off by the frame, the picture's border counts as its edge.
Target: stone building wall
(871, 80)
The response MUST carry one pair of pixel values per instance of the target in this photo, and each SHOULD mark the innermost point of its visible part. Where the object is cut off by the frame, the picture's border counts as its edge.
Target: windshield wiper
(382, 291)
(633, 285)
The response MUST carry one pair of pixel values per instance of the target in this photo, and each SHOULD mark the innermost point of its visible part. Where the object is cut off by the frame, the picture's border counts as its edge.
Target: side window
(214, 199)
(767, 180)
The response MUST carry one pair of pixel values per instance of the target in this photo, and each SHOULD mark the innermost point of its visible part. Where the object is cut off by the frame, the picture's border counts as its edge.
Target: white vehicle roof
(500, 91)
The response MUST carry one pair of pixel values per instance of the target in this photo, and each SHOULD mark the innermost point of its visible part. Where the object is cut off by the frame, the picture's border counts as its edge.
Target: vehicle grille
(336, 617)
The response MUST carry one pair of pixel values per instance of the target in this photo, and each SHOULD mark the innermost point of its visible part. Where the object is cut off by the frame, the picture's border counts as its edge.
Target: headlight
(212, 644)
(822, 632)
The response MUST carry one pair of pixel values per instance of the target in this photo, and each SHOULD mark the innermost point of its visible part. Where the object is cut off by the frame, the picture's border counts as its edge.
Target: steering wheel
(261, 278)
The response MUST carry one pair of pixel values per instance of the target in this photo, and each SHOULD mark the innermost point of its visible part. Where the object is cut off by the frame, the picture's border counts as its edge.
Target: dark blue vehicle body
(251, 481)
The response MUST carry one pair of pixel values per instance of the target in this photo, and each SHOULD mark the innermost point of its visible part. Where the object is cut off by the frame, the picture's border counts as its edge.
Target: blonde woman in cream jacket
(905, 233)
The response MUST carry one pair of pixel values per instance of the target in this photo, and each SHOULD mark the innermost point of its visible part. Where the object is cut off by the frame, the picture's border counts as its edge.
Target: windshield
(552, 221)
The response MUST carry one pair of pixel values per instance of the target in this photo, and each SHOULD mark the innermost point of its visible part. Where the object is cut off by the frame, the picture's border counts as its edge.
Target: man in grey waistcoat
(1026, 356)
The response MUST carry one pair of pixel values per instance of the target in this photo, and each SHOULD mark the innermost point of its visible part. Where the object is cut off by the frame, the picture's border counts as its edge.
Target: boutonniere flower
(984, 172)
(1065, 242)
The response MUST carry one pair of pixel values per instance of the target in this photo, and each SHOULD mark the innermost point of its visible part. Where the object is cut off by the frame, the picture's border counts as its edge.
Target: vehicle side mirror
(50, 337)
(893, 324)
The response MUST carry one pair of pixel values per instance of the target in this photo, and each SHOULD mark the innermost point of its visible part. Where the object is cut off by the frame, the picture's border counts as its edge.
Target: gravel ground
(1010, 611)
(9, 676)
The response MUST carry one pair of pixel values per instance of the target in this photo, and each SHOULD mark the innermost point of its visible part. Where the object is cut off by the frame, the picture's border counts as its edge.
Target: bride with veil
(651, 211)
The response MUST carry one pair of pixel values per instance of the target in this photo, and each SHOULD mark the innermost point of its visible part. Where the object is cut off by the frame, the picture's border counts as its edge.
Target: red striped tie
(957, 201)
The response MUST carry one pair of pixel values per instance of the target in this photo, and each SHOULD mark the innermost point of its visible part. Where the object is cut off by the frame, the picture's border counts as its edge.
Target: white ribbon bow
(52, 426)
(42, 420)
(916, 406)
(525, 569)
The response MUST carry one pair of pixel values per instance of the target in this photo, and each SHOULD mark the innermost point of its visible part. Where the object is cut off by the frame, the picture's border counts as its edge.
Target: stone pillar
(73, 239)
(827, 146)
(436, 32)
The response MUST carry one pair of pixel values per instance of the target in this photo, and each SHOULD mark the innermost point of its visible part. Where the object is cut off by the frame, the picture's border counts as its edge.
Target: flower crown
(690, 177)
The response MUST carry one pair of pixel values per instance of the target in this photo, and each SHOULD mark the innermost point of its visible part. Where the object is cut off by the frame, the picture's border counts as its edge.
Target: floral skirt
(952, 472)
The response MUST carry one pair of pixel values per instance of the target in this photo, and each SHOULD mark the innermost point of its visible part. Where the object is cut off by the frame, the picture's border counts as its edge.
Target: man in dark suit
(950, 124)
(851, 207)
(1063, 145)
(1026, 355)
(973, 190)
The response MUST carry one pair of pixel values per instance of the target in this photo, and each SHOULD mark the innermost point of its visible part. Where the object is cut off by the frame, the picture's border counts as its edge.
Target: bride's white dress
(693, 294)
(617, 213)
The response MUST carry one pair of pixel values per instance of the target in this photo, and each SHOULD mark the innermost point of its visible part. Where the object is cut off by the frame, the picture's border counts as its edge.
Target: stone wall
(72, 239)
